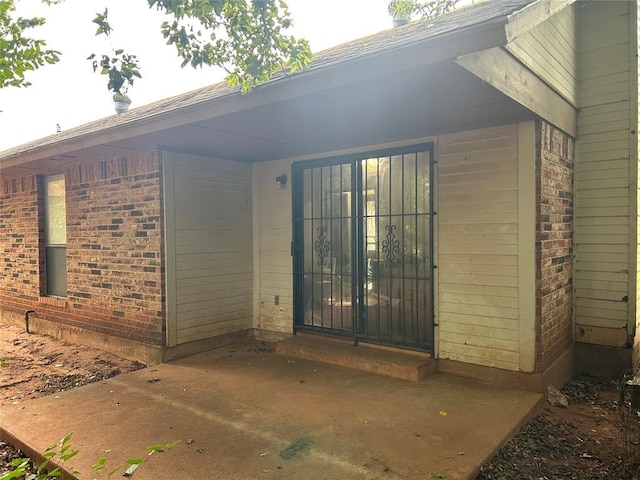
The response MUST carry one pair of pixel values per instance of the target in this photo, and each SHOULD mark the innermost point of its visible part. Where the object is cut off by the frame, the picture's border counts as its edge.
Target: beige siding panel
(606, 249)
(222, 327)
(611, 136)
(604, 221)
(611, 94)
(479, 355)
(489, 322)
(622, 163)
(605, 113)
(602, 266)
(494, 339)
(611, 337)
(477, 259)
(600, 125)
(602, 205)
(273, 245)
(613, 154)
(602, 238)
(606, 174)
(586, 229)
(615, 318)
(634, 300)
(484, 290)
(603, 145)
(602, 304)
(549, 50)
(213, 247)
(463, 198)
(478, 300)
(603, 194)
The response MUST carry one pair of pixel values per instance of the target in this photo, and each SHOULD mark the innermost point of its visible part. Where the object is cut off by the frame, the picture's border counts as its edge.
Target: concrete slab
(396, 363)
(242, 412)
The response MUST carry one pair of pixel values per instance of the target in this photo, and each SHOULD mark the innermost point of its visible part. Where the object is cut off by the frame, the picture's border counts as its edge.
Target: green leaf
(13, 474)
(100, 464)
(69, 455)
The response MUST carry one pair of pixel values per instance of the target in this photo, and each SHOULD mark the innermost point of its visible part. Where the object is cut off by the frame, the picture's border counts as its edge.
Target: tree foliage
(426, 10)
(19, 53)
(247, 38)
(120, 67)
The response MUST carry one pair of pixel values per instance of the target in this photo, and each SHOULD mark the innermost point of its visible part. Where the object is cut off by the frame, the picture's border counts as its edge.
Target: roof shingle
(413, 33)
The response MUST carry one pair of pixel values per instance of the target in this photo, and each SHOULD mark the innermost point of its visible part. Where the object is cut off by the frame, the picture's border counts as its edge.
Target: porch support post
(502, 71)
(527, 245)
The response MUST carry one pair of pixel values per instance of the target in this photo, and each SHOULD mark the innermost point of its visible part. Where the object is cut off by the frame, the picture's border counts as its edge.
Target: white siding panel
(549, 50)
(602, 179)
(212, 242)
(478, 272)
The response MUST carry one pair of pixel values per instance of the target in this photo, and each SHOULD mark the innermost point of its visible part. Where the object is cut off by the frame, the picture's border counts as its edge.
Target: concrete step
(391, 362)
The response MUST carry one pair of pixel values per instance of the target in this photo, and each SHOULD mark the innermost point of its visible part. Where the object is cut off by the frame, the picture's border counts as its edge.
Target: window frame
(54, 237)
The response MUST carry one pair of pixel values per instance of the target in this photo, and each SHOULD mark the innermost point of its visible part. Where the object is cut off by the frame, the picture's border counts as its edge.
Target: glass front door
(363, 247)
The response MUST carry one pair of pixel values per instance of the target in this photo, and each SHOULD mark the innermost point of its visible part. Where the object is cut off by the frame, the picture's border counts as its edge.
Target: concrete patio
(242, 412)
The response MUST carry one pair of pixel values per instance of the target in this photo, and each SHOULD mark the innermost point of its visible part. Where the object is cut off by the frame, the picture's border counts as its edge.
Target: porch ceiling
(418, 102)
(414, 103)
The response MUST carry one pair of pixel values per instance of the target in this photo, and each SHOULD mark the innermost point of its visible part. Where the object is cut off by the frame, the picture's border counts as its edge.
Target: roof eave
(448, 45)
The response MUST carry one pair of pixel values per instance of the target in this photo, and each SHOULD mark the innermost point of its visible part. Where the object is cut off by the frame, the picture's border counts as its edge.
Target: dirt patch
(33, 366)
(583, 441)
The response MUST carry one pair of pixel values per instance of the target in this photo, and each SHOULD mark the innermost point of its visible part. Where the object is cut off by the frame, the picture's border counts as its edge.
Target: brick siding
(20, 235)
(554, 243)
(115, 266)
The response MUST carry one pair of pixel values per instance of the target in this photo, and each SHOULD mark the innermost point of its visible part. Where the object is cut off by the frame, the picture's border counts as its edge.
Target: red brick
(114, 248)
(554, 259)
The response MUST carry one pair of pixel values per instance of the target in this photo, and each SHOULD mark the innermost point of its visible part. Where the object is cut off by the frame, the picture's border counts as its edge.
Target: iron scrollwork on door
(321, 246)
(391, 247)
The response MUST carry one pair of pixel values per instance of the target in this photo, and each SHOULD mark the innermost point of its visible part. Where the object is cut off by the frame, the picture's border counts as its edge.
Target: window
(55, 236)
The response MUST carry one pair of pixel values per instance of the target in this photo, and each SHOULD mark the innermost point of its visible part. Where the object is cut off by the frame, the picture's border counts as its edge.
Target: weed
(61, 452)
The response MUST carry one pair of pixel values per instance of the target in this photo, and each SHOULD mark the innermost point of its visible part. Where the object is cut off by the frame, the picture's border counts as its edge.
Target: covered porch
(439, 97)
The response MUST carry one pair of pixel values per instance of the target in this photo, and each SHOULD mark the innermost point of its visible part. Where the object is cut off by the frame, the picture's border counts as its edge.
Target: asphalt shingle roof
(413, 33)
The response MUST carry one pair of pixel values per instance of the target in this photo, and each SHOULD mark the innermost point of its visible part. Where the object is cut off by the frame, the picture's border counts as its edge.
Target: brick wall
(554, 243)
(19, 243)
(114, 248)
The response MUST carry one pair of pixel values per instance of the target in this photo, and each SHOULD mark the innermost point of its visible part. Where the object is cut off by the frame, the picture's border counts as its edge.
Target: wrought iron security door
(363, 247)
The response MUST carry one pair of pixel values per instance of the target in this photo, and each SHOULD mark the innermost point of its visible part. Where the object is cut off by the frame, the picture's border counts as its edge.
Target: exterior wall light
(281, 180)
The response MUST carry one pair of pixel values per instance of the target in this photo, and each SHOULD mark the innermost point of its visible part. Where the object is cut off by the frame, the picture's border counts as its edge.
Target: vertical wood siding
(272, 209)
(212, 265)
(602, 174)
(549, 50)
(478, 274)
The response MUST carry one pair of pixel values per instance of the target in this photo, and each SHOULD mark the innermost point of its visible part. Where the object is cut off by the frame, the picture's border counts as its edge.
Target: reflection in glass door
(363, 247)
